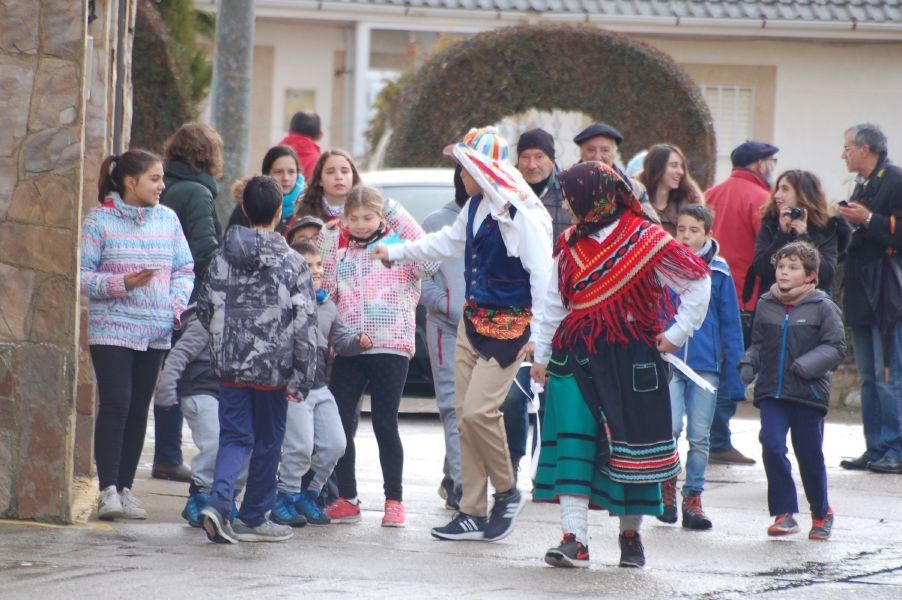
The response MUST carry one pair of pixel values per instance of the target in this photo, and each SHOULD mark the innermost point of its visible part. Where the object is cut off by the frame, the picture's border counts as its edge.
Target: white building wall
(304, 59)
(821, 89)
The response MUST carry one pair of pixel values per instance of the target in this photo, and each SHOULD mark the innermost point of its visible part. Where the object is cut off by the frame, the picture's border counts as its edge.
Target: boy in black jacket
(797, 339)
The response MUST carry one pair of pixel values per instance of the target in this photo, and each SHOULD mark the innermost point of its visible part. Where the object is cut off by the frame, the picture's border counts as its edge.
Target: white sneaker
(131, 508)
(110, 506)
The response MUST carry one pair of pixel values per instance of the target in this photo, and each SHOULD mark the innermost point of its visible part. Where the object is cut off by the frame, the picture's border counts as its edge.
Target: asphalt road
(164, 558)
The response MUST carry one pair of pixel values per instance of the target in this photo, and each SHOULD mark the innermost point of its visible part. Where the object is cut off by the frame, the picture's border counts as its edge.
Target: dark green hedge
(170, 75)
(608, 76)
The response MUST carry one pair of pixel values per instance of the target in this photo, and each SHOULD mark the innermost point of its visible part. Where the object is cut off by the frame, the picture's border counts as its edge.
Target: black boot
(668, 495)
(693, 515)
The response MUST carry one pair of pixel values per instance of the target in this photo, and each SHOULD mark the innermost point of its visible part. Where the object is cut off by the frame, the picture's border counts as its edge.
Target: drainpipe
(118, 109)
(362, 33)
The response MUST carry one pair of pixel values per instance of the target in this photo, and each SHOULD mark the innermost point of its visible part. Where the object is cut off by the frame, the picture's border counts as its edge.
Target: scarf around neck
(289, 199)
(793, 296)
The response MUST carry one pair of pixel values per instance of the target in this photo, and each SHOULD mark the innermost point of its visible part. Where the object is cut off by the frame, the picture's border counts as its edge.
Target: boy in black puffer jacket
(797, 339)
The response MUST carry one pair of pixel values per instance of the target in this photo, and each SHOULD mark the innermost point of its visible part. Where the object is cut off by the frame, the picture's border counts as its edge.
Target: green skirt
(567, 458)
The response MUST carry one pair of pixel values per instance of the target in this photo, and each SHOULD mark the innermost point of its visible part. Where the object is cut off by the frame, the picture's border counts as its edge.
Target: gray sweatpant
(202, 414)
(440, 343)
(314, 438)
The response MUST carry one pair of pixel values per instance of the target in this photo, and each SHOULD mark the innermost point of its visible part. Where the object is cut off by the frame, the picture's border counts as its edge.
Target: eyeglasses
(846, 149)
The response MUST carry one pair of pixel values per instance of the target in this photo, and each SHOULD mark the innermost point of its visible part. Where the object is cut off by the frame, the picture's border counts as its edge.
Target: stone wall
(45, 70)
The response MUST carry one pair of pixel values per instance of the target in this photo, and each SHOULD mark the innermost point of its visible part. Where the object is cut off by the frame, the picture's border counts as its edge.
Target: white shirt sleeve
(553, 313)
(448, 242)
(693, 306)
(537, 260)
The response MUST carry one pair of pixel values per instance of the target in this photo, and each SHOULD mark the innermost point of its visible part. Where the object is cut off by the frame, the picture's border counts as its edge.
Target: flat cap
(750, 151)
(598, 130)
(303, 222)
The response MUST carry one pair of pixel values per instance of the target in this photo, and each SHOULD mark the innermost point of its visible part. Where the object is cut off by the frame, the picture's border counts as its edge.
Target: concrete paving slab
(164, 558)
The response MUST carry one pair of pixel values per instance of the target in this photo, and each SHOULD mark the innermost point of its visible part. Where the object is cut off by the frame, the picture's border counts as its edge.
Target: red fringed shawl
(603, 282)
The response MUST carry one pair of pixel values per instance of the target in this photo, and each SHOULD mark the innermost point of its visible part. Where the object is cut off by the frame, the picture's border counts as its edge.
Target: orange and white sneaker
(342, 511)
(394, 514)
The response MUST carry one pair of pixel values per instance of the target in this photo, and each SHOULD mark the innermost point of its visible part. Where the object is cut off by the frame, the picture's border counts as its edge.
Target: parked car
(420, 191)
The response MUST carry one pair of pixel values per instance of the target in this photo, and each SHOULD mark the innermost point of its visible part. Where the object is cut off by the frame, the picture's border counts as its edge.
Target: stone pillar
(44, 73)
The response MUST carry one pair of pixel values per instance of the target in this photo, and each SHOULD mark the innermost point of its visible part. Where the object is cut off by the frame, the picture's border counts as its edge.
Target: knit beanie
(536, 138)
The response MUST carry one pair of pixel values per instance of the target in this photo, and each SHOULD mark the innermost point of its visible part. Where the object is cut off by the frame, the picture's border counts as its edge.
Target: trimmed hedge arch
(605, 75)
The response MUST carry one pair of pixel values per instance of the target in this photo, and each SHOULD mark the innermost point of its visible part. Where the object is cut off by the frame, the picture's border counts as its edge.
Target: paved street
(164, 558)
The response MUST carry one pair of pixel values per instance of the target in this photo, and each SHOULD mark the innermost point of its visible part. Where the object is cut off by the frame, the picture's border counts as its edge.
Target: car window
(419, 200)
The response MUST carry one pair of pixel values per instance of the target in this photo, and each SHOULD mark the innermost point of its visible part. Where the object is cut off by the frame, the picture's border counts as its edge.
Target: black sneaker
(452, 502)
(570, 554)
(461, 527)
(219, 529)
(501, 519)
(668, 496)
(449, 494)
(632, 554)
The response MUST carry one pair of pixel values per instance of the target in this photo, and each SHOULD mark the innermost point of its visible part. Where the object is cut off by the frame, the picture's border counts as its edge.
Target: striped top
(118, 239)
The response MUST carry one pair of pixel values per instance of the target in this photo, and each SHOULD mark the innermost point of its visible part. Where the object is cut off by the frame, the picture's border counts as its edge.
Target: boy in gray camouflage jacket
(258, 305)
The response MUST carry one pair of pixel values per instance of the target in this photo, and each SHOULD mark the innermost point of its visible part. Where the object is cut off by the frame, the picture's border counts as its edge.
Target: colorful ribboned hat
(489, 142)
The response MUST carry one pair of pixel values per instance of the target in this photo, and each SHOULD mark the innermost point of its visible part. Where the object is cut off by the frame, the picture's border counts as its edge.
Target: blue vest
(493, 278)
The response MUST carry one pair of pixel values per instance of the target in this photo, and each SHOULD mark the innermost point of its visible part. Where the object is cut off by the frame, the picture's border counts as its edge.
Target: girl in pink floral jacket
(380, 301)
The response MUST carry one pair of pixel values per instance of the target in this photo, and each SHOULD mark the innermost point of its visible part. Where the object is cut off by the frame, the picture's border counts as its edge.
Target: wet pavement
(164, 558)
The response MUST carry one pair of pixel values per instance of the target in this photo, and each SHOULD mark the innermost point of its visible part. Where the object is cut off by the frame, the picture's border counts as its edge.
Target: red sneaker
(783, 525)
(342, 511)
(394, 514)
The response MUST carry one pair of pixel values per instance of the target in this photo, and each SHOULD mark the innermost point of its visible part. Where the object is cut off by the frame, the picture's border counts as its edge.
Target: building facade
(793, 72)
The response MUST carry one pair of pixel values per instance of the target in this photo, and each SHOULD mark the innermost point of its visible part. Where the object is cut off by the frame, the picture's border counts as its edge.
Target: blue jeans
(251, 426)
(167, 426)
(686, 398)
(805, 425)
(724, 409)
(881, 402)
(516, 416)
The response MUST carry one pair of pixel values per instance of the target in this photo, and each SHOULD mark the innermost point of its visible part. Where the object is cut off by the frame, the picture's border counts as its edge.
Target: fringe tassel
(643, 298)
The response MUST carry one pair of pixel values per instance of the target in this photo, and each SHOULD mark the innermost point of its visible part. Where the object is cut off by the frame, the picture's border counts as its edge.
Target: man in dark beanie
(535, 160)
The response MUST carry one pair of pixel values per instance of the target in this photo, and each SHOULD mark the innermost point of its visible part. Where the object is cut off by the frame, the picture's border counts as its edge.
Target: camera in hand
(796, 213)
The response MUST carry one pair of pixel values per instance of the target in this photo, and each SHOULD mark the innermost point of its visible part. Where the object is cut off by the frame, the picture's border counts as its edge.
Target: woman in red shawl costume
(606, 437)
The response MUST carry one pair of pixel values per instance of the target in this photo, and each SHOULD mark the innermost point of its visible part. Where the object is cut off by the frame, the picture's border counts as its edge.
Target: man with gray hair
(872, 295)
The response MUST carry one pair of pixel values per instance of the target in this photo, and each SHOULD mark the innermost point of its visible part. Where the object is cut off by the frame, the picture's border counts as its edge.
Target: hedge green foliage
(170, 75)
(610, 77)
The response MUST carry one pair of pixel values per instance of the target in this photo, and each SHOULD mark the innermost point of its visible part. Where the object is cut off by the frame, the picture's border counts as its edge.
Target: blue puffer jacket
(720, 336)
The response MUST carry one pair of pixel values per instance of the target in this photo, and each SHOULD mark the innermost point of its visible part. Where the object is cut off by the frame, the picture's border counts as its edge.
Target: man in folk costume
(607, 441)
(504, 234)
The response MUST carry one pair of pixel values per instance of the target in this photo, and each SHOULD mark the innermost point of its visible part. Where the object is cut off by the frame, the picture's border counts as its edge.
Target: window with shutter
(732, 107)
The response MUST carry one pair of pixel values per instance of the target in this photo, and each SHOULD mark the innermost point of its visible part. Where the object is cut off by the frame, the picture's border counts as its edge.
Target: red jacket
(736, 204)
(308, 151)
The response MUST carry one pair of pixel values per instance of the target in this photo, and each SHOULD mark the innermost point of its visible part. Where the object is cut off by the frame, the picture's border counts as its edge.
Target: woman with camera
(797, 211)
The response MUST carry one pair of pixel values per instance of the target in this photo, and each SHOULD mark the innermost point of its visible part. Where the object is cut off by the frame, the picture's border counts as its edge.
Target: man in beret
(535, 160)
(599, 141)
(736, 203)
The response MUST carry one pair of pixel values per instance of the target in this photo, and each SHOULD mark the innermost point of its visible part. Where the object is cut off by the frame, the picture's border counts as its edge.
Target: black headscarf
(597, 195)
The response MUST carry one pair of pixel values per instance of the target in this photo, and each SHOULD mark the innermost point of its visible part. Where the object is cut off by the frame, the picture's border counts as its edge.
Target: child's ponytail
(114, 169)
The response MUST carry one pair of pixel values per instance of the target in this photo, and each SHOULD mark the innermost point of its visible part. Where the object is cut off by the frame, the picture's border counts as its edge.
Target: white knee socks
(575, 517)
(630, 523)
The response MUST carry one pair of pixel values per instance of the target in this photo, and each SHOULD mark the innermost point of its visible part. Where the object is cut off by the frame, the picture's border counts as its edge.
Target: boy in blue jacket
(719, 336)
